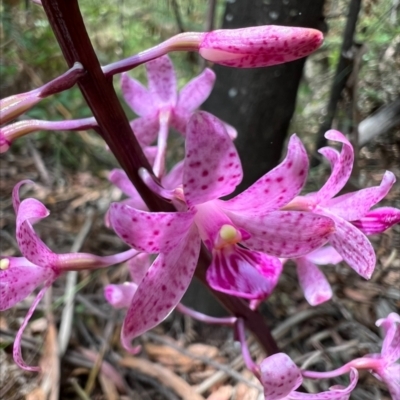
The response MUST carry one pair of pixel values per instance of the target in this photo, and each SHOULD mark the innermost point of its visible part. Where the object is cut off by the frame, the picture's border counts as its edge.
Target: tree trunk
(260, 102)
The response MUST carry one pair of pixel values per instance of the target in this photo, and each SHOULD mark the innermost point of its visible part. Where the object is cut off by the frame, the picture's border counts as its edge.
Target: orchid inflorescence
(249, 237)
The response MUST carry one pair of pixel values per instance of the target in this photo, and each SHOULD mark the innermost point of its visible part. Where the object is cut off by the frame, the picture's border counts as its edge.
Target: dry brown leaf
(244, 392)
(163, 375)
(174, 359)
(108, 387)
(222, 393)
(50, 364)
(358, 295)
(36, 394)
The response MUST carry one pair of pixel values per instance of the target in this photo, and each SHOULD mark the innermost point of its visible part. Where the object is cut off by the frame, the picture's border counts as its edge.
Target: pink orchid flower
(316, 287)
(161, 106)
(281, 377)
(20, 276)
(384, 366)
(347, 239)
(211, 170)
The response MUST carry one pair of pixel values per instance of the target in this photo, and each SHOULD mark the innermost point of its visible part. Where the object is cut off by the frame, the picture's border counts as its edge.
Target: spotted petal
(279, 376)
(284, 233)
(356, 205)
(316, 287)
(378, 220)
(162, 287)
(31, 246)
(277, 187)
(212, 166)
(342, 166)
(19, 279)
(138, 266)
(137, 96)
(353, 246)
(162, 81)
(146, 129)
(243, 273)
(196, 91)
(149, 232)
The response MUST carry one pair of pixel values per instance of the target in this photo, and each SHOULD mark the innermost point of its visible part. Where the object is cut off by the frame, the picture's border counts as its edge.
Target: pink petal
(149, 232)
(17, 342)
(196, 91)
(353, 246)
(146, 129)
(19, 279)
(137, 96)
(341, 166)
(120, 296)
(138, 266)
(316, 287)
(259, 46)
(232, 132)
(279, 376)
(277, 187)
(324, 255)
(378, 220)
(174, 178)
(359, 203)
(162, 287)
(31, 246)
(391, 376)
(162, 81)
(243, 273)
(179, 120)
(212, 166)
(391, 343)
(285, 234)
(336, 392)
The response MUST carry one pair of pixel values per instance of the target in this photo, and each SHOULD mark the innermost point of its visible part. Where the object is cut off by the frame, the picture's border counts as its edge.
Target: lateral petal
(196, 91)
(324, 255)
(279, 376)
(32, 247)
(341, 164)
(212, 166)
(378, 220)
(138, 266)
(120, 296)
(162, 81)
(243, 273)
(277, 187)
(149, 232)
(356, 205)
(162, 288)
(316, 287)
(18, 279)
(353, 246)
(146, 129)
(137, 96)
(284, 234)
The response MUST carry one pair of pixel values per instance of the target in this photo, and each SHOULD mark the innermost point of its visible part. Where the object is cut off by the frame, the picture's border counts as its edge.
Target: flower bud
(259, 46)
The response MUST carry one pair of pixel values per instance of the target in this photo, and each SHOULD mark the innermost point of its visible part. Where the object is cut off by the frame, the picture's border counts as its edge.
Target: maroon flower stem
(68, 26)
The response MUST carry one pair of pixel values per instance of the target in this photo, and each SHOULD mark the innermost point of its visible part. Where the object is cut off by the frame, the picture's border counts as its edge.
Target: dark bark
(343, 71)
(260, 102)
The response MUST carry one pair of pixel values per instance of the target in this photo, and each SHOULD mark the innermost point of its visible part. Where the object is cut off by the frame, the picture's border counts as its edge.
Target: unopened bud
(259, 46)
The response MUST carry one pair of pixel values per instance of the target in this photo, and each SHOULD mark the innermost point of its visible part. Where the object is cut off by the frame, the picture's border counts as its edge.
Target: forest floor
(181, 358)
